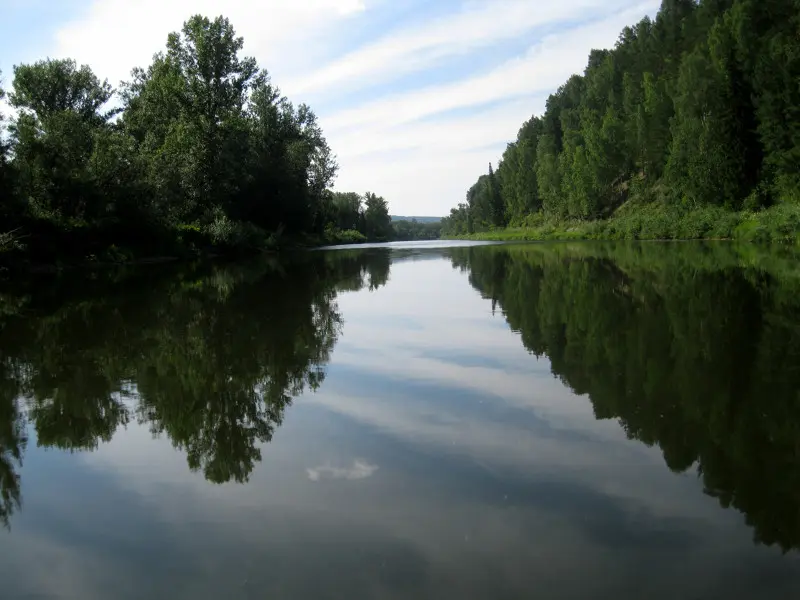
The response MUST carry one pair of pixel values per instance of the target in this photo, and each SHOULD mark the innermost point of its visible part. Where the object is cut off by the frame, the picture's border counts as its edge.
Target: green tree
(458, 222)
(188, 110)
(548, 176)
(54, 138)
(348, 211)
(707, 158)
(377, 222)
(696, 105)
(653, 125)
(766, 35)
(517, 173)
(6, 201)
(495, 199)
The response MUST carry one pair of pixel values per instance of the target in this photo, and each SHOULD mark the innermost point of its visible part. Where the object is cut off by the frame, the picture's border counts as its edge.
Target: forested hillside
(197, 152)
(691, 116)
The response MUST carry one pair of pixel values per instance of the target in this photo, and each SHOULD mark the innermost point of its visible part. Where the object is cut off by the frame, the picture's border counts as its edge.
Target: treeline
(357, 218)
(693, 349)
(198, 150)
(209, 356)
(409, 230)
(697, 108)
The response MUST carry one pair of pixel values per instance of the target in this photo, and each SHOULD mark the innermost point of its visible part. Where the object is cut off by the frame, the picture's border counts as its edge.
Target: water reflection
(209, 357)
(437, 456)
(686, 347)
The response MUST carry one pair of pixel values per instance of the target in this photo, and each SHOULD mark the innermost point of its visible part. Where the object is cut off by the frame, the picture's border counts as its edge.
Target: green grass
(659, 221)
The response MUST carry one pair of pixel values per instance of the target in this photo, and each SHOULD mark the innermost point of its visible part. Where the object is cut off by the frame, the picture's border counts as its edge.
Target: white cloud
(359, 470)
(546, 65)
(476, 26)
(113, 36)
(449, 153)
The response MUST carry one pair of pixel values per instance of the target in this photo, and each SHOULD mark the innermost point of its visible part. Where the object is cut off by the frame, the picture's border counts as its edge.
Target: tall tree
(5, 168)
(377, 222)
(495, 199)
(188, 109)
(707, 156)
(54, 136)
(698, 106)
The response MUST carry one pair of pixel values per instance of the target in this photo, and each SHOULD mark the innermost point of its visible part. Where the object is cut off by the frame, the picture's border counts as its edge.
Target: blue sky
(416, 97)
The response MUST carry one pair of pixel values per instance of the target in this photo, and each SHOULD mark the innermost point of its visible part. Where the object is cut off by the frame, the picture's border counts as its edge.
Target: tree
(697, 105)
(223, 145)
(653, 126)
(50, 87)
(205, 154)
(188, 110)
(495, 199)
(54, 138)
(6, 199)
(377, 222)
(347, 211)
(706, 160)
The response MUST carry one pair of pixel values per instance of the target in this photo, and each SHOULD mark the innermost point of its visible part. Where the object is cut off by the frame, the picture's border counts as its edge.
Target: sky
(416, 97)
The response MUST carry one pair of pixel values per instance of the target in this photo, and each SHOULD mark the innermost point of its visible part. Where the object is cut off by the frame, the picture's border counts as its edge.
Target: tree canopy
(199, 150)
(698, 107)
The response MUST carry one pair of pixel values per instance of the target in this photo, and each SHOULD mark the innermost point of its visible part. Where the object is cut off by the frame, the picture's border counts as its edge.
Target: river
(418, 420)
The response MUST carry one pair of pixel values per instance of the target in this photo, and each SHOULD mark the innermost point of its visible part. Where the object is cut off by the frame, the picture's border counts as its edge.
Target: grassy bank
(658, 221)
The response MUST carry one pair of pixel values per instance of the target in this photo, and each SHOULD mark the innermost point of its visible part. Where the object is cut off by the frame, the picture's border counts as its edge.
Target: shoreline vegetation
(198, 154)
(657, 222)
(689, 128)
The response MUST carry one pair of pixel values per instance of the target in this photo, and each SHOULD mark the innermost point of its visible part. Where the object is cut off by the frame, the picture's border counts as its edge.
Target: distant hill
(418, 219)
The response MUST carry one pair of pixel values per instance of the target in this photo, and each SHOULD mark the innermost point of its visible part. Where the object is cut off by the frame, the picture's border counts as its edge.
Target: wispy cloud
(445, 154)
(474, 26)
(359, 470)
(116, 35)
(544, 66)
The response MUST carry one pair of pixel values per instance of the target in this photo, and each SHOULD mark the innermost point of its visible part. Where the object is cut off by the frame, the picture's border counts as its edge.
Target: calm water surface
(537, 421)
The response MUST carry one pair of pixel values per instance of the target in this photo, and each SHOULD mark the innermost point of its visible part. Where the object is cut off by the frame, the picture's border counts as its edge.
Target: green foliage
(377, 222)
(698, 108)
(661, 221)
(334, 235)
(414, 230)
(51, 87)
(202, 139)
(6, 198)
(55, 140)
(353, 219)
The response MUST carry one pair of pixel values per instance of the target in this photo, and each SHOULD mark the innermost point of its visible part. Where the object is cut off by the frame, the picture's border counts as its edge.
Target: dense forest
(687, 348)
(198, 151)
(84, 355)
(688, 127)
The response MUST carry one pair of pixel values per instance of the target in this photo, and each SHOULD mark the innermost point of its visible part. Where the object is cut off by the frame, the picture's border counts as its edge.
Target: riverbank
(43, 246)
(55, 250)
(51, 249)
(657, 221)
